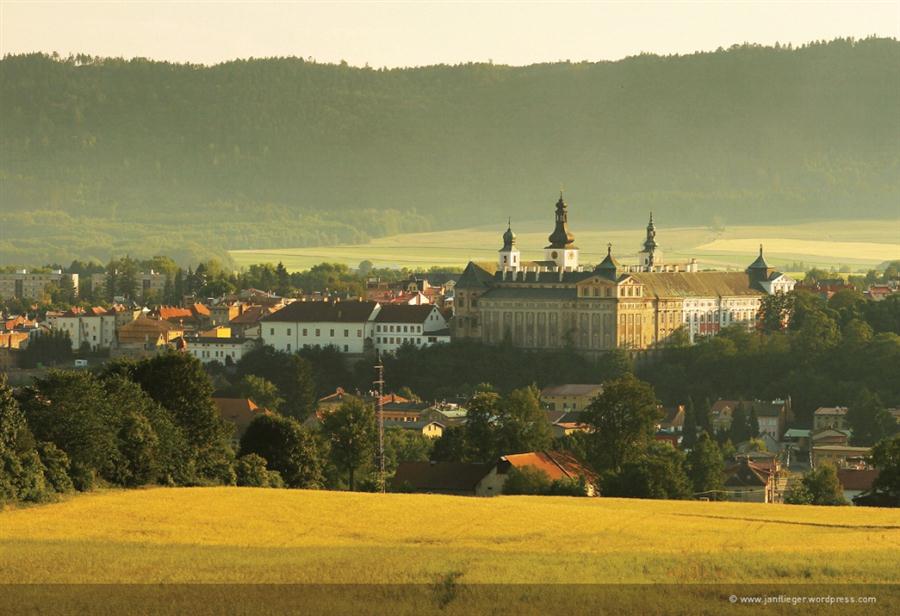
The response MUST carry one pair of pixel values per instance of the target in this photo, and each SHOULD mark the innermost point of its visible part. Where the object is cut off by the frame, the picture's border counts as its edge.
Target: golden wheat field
(435, 545)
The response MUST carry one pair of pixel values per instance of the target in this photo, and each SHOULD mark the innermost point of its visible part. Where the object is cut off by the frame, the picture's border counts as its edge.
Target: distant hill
(105, 156)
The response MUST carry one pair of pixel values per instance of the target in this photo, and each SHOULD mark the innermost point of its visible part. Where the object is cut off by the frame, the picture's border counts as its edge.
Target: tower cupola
(562, 250)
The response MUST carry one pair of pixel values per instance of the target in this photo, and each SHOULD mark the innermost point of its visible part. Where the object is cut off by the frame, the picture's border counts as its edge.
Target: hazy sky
(417, 33)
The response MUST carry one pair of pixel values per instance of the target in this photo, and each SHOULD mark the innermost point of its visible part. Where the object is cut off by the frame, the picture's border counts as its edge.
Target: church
(556, 302)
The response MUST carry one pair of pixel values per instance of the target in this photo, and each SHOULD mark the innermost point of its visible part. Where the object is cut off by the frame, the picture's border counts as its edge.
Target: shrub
(56, 467)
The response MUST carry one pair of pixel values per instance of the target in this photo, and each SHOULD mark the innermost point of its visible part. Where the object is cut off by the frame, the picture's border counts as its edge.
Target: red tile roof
(556, 464)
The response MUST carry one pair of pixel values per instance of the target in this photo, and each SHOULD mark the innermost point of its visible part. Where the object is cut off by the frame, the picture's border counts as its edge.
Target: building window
(271, 331)
(289, 347)
(318, 333)
(346, 348)
(359, 333)
(331, 334)
(346, 333)
(304, 331)
(289, 331)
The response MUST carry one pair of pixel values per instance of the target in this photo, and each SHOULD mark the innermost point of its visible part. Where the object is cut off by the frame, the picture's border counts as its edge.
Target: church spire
(561, 237)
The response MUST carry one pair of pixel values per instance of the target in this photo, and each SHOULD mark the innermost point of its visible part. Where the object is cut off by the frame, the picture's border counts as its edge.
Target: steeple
(759, 270)
(609, 267)
(650, 255)
(561, 237)
(650, 241)
(562, 250)
(509, 257)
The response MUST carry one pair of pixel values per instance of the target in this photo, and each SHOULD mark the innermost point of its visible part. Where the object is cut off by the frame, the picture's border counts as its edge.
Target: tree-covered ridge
(104, 155)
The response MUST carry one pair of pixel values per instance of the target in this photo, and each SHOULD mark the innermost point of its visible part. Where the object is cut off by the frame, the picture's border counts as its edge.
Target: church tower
(651, 255)
(509, 257)
(759, 270)
(562, 250)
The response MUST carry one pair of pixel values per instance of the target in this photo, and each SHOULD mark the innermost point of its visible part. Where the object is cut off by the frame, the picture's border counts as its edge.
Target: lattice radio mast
(379, 454)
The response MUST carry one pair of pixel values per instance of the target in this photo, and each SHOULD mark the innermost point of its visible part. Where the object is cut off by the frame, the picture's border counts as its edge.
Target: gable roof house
(348, 326)
(418, 325)
(239, 412)
(144, 337)
(556, 465)
(747, 481)
(439, 477)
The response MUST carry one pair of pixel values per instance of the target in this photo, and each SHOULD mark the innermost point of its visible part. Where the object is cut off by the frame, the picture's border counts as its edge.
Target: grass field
(243, 535)
(859, 244)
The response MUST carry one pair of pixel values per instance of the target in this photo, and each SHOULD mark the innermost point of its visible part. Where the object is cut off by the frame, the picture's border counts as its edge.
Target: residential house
(247, 323)
(439, 477)
(428, 429)
(218, 345)
(842, 456)
(348, 326)
(416, 325)
(568, 423)
(829, 436)
(556, 465)
(570, 397)
(193, 318)
(150, 284)
(94, 328)
(673, 419)
(747, 481)
(772, 416)
(855, 481)
(145, 337)
(830, 417)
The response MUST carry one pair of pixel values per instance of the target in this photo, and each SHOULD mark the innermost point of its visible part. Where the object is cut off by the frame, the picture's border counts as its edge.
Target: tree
(522, 424)
(623, 420)
(753, 424)
(481, 428)
(351, 433)
(526, 480)
(287, 448)
(450, 446)
(179, 383)
(656, 472)
(868, 419)
(405, 446)
(51, 349)
(819, 486)
(262, 392)
(21, 472)
(886, 458)
(291, 374)
(705, 467)
(251, 472)
(739, 430)
(689, 429)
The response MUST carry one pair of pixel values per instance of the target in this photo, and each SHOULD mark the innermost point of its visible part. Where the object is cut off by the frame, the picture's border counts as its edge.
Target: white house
(399, 324)
(345, 325)
(225, 350)
(94, 327)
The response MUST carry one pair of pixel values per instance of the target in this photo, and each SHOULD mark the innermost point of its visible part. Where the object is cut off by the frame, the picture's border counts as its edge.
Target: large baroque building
(558, 303)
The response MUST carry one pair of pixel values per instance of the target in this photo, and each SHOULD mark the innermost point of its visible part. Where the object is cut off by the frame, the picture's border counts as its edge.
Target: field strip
(793, 522)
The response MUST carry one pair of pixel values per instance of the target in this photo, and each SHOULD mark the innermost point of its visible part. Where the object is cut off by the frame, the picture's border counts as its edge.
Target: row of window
(406, 328)
(305, 332)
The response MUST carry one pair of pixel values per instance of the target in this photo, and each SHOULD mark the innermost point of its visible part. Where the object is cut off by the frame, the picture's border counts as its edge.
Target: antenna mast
(379, 454)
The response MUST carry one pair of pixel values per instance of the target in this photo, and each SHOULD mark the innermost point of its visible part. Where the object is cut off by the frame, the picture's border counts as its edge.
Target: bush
(251, 471)
(526, 480)
(56, 467)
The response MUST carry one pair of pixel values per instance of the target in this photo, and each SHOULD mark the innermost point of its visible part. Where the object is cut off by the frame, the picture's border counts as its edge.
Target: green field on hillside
(435, 544)
(859, 244)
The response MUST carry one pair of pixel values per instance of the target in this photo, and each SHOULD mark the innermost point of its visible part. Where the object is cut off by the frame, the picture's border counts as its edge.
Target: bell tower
(509, 257)
(651, 255)
(562, 250)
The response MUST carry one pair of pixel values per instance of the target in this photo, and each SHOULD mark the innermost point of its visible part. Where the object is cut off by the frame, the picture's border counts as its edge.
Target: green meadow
(846, 244)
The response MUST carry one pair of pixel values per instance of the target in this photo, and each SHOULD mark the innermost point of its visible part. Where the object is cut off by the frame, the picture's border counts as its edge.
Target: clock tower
(562, 250)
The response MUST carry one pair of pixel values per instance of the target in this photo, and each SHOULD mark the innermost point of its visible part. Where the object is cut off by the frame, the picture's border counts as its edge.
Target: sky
(419, 33)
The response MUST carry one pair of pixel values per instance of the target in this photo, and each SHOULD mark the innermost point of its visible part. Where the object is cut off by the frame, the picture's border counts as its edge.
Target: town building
(148, 285)
(416, 325)
(218, 345)
(834, 417)
(93, 328)
(556, 302)
(570, 397)
(746, 481)
(23, 284)
(771, 416)
(556, 465)
(145, 337)
(240, 413)
(348, 326)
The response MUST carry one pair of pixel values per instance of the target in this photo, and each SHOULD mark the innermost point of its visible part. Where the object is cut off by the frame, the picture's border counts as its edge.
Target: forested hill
(101, 156)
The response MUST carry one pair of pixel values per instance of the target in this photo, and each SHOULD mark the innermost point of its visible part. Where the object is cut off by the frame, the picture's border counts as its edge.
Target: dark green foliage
(739, 431)
(178, 383)
(656, 472)
(264, 393)
(705, 467)
(290, 373)
(526, 480)
(405, 446)
(886, 458)
(56, 467)
(689, 429)
(819, 486)
(816, 361)
(350, 431)
(869, 419)
(287, 448)
(49, 349)
(623, 420)
(281, 152)
(251, 472)
(505, 368)
(451, 446)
